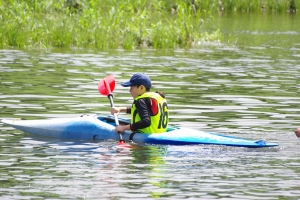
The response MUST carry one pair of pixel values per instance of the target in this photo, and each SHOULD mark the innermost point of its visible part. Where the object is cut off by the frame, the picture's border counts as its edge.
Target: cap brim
(126, 84)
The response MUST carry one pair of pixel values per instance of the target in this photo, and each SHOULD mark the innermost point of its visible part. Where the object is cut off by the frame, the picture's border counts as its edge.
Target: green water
(246, 87)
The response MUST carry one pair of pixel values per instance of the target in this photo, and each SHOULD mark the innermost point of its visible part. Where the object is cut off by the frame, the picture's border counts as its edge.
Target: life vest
(159, 116)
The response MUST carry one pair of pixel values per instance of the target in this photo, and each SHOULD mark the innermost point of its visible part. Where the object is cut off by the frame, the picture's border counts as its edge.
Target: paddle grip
(110, 97)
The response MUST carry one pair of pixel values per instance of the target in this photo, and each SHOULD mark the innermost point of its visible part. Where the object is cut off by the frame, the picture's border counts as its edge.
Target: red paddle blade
(122, 143)
(106, 89)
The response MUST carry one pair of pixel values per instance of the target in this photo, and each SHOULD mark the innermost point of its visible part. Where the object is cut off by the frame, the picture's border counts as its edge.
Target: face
(137, 90)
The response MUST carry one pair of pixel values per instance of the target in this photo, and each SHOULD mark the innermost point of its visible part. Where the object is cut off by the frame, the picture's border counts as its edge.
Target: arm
(117, 110)
(144, 113)
(122, 128)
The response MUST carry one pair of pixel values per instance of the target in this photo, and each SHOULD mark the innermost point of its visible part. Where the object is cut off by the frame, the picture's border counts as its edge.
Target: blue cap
(138, 79)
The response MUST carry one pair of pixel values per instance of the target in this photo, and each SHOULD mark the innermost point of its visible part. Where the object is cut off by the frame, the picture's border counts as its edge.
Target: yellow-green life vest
(159, 120)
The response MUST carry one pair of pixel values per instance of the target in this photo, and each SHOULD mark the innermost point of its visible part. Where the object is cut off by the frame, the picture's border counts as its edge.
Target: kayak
(88, 127)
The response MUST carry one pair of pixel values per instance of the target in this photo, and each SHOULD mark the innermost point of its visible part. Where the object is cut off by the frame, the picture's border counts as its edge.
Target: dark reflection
(149, 154)
(150, 161)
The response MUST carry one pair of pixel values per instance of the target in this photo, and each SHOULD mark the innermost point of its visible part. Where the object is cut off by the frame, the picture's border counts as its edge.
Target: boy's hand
(121, 129)
(114, 110)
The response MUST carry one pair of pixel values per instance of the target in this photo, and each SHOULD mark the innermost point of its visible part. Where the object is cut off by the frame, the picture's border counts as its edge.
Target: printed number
(163, 121)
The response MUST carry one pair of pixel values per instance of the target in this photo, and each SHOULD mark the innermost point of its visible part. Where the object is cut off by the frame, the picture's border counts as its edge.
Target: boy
(149, 111)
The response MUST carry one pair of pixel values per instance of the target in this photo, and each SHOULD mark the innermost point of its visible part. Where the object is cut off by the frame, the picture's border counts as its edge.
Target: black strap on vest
(131, 135)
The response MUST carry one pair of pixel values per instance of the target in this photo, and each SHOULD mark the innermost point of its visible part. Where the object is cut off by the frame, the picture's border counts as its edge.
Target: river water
(246, 87)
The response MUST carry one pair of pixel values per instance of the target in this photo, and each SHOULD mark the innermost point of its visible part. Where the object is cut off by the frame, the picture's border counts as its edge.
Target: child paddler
(149, 110)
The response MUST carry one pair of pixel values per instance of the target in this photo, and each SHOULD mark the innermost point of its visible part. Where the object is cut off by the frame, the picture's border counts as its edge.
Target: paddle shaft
(110, 97)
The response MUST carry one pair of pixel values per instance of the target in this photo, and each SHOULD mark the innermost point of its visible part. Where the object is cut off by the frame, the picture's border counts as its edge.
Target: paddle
(106, 87)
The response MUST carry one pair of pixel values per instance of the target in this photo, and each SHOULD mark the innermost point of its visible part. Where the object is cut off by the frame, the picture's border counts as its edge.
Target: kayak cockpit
(111, 120)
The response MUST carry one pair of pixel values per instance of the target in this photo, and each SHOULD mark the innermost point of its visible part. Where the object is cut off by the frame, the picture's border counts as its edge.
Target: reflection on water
(249, 90)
